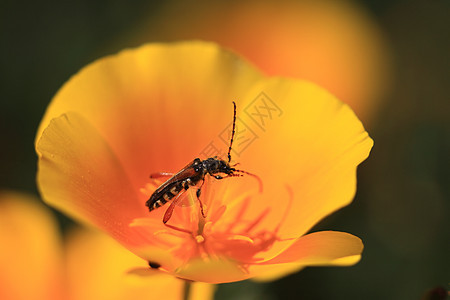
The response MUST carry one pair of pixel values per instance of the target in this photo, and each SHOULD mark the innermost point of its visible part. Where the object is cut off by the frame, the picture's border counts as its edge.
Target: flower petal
(292, 39)
(306, 154)
(30, 251)
(324, 248)
(79, 174)
(321, 248)
(142, 114)
(307, 150)
(157, 101)
(217, 270)
(97, 269)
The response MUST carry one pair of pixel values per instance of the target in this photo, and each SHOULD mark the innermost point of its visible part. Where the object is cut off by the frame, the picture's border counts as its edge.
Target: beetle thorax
(215, 165)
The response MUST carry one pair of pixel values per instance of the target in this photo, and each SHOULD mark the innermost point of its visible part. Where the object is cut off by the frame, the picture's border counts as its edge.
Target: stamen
(257, 220)
(148, 189)
(218, 213)
(240, 213)
(167, 232)
(178, 229)
(260, 183)
(168, 238)
(288, 206)
(149, 224)
(211, 254)
(238, 237)
(144, 191)
(142, 222)
(206, 228)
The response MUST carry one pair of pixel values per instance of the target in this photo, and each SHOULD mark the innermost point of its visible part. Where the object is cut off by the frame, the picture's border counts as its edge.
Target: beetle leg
(229, 175)
(169, 211)
(186, 185)
(199, 191)
(178, 228)
(160, 174)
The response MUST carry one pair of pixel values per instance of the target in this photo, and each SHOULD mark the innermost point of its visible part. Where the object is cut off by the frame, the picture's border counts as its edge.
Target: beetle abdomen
(159, 198)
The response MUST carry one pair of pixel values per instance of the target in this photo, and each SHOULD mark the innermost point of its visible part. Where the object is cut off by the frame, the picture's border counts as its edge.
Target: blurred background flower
(31, 251)
(403, 191)
(332, 43)
(38, 264)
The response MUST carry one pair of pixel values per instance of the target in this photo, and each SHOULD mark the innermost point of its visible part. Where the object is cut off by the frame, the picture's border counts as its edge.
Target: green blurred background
(402, 204)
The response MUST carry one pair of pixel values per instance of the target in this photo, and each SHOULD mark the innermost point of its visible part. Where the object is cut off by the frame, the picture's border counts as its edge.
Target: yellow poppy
(30, 251)
(156, 108)
(37, 265)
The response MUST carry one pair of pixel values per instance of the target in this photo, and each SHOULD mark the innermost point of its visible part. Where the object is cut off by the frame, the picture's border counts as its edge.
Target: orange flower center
(226, 231)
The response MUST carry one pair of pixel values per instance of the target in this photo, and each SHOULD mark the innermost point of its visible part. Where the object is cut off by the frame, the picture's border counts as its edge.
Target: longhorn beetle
(191, 175)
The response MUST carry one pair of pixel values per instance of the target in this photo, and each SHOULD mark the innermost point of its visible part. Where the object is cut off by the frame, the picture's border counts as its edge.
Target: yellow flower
(37, 265)
(30, 251)
(335, 44)
(155, 109)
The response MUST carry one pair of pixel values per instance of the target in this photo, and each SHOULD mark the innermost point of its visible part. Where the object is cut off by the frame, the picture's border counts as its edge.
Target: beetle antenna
(255, 176)
(232, 132)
